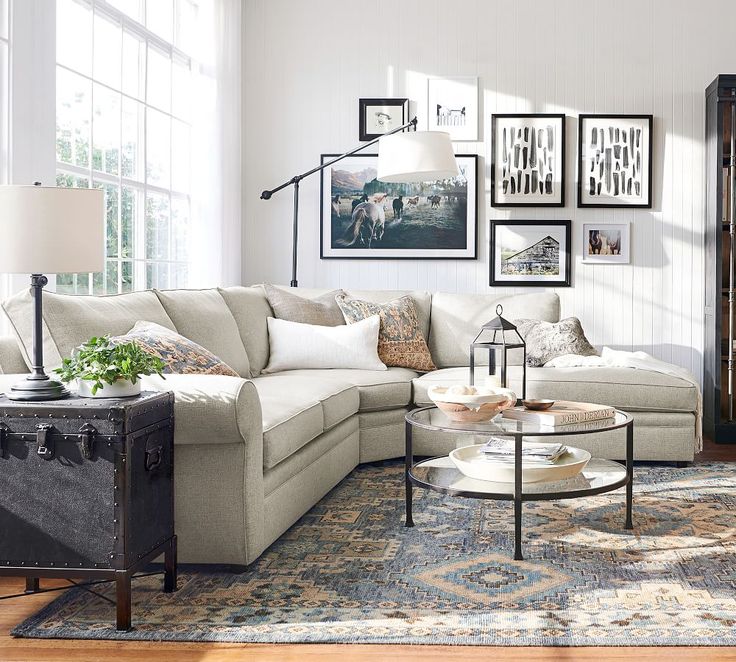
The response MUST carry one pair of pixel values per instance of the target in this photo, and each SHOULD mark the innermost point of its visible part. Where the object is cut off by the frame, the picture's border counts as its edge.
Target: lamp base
(34, 390)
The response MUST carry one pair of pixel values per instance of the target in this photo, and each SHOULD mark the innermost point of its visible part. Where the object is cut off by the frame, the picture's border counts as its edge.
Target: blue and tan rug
(350, 572)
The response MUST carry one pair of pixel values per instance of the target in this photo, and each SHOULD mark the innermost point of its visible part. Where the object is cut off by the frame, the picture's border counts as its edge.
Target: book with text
(561, 413)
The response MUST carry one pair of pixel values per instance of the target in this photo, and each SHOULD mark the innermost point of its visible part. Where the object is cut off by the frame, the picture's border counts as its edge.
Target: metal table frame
(518, 497)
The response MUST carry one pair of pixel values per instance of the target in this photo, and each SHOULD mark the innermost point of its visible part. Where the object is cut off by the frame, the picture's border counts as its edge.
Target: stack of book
(499, 449)
(561, 413)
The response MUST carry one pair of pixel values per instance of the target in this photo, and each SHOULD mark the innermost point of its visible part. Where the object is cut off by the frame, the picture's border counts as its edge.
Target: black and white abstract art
(528, 160)
(615, 161)
(452, 106)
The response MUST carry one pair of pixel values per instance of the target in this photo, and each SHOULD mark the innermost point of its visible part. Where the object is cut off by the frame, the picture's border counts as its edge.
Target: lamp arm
(266, 195)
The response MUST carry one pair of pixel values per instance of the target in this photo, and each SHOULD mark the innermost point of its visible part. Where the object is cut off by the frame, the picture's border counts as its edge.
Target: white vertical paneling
(307, 63)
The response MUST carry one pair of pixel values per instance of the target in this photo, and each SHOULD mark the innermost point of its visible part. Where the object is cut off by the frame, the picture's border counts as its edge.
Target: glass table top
(432, 418)
(440, 474)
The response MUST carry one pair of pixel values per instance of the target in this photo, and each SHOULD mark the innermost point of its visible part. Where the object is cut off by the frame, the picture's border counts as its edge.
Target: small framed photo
(452, 106)
(528, 160)
(379, 116)
(606, 243)
(534, 253)
(615, 161)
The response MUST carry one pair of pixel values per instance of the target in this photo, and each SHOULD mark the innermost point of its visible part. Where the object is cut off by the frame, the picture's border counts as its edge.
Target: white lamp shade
(46, 230)
(417, 156)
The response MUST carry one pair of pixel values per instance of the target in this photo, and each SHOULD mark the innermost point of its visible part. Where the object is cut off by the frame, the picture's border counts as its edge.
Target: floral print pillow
(400, 340)
(181, 355)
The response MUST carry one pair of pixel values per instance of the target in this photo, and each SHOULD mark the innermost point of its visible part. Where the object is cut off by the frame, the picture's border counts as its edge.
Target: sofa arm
(11, 358)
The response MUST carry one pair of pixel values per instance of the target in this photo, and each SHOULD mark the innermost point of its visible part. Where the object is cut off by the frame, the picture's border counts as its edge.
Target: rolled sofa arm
(11, 358)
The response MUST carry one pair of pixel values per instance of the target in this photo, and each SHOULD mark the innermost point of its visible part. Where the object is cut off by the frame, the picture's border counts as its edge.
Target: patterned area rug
(350, 572)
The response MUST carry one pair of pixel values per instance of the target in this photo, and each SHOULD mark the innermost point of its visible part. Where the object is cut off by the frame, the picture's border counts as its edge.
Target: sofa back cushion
(457, 318)
(203, 317)
(69, 320)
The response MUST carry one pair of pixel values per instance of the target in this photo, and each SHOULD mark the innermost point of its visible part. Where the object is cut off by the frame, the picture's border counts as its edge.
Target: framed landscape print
(379, 116)
(528, 160)
(452, 106)
(530, 253)
(606, 243)
(362, 217)
(615, 161)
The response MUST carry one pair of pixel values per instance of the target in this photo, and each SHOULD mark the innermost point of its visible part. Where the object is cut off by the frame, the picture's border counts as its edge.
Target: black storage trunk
(85, 483)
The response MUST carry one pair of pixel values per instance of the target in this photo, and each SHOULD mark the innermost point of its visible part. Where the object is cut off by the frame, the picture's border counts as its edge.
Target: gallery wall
(306, 64)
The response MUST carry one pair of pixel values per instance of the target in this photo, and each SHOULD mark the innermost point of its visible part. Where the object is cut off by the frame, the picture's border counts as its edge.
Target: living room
(360, 331)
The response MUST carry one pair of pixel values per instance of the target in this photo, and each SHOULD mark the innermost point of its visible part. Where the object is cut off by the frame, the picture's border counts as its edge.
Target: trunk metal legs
(123, 600)
(170, 575)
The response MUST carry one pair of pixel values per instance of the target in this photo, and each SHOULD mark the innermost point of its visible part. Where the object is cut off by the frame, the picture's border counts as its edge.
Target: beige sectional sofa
(255, 453)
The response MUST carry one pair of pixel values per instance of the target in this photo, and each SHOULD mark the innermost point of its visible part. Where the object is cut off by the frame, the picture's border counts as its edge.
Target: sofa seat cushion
(377, 390)
(625, 388)
(299, 408)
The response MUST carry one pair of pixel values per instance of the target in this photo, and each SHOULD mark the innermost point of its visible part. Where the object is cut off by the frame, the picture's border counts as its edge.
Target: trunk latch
(43, 439)
(87, 436)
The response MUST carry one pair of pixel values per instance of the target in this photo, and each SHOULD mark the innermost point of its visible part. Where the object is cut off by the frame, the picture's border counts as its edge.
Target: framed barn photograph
(363, 218)
(528, 160)
(606, 243)
(379, 116)
(535, 253)
(452, 106)
(615, 161)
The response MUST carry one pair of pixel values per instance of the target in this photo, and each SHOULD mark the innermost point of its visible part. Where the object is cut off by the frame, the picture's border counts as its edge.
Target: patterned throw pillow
(400, 340)
(546, 340)
(322, 310)
(181, 355)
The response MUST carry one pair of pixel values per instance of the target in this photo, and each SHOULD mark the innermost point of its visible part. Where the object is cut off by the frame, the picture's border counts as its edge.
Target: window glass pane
(111, 277)
(73, 111)
(74, 35)
(133, 137)
(112, 225)
(159, 79)
(134, 65)
(106, 130)
(158, 148)
(180, 146)
(129, 215)
(181, 85)
(160, 18)
(108, 51)
(180, 229)
(157, 275)
(185, 25)
(157, 227)
(179, 275)
(126, 284)
(132, 8)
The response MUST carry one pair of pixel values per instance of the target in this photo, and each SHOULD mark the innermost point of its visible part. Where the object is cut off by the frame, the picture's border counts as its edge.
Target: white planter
(122, 388)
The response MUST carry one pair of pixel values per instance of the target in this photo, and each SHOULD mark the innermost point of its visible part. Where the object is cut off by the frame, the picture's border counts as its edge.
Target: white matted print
(528, 160)
(606, 243)
(452, 106)
(615, 161)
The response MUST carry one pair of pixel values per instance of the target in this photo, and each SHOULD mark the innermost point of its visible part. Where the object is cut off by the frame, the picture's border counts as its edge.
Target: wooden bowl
(461, 414)
(537, 405)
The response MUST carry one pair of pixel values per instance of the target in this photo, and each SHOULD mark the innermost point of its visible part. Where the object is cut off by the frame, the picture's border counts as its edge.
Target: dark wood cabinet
(719, 369)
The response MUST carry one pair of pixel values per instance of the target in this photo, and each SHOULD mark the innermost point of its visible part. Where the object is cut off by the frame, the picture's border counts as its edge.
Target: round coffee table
(441, 475)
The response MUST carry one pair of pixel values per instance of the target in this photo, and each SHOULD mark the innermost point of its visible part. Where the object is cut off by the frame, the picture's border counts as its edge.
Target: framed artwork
(363, 218)
(379, 116)
(615, 161)
(452, 106)
(528, 160)
(535, 253)
(606, 243)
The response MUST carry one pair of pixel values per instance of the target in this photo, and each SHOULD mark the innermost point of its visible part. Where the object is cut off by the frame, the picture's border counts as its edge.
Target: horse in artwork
(412, 202)
(368, 225)
(434, 201)
(398, 205)
(336, 205)
(360, 200)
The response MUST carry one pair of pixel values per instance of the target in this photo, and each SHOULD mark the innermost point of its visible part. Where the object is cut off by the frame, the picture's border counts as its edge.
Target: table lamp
(49, 230)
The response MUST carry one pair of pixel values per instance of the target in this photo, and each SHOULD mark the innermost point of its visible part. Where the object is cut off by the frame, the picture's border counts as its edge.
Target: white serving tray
(472, 462)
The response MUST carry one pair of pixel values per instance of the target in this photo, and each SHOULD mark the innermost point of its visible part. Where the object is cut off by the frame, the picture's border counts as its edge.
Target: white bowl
(482, 395)
(121, 388)
(472, 462)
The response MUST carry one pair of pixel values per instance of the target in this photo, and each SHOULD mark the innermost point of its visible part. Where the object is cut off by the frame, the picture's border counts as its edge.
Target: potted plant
(104, 369)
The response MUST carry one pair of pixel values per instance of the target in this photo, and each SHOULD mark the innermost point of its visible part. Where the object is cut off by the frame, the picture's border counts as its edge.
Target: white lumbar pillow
(296, 346)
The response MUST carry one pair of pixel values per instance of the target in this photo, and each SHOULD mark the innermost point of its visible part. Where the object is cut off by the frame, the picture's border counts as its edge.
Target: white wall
(307, 63)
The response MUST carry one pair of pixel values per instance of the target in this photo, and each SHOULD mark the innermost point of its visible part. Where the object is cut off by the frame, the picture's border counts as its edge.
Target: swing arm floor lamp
(417, 156)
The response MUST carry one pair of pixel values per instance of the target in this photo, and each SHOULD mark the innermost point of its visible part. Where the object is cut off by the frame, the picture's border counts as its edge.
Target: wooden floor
(25, 650)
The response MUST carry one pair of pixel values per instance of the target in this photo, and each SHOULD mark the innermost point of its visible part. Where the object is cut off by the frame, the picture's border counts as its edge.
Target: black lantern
(505, 337)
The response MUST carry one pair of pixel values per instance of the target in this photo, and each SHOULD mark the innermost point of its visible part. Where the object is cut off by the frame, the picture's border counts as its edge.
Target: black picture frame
(535, 201)
(583, 166)
(497, 280)
(470, 252)
(364, 105)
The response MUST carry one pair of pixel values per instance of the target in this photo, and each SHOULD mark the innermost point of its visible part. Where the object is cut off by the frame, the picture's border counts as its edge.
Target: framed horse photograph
(363, 218)
(606, 243)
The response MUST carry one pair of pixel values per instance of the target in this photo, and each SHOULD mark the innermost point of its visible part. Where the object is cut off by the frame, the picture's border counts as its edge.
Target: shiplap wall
(307, 63)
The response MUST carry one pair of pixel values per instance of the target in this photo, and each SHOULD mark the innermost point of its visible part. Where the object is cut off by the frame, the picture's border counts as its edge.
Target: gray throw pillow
(322, 310)
(546, 340)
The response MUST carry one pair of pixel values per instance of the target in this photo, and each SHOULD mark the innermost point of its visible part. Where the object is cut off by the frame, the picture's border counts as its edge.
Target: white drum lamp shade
(48, 230)
(418, 156)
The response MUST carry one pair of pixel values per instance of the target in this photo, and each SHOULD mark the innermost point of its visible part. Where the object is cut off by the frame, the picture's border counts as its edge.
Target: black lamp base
(34, 389)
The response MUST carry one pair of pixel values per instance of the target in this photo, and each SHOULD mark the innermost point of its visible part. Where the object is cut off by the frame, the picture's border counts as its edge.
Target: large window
(124, 81)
